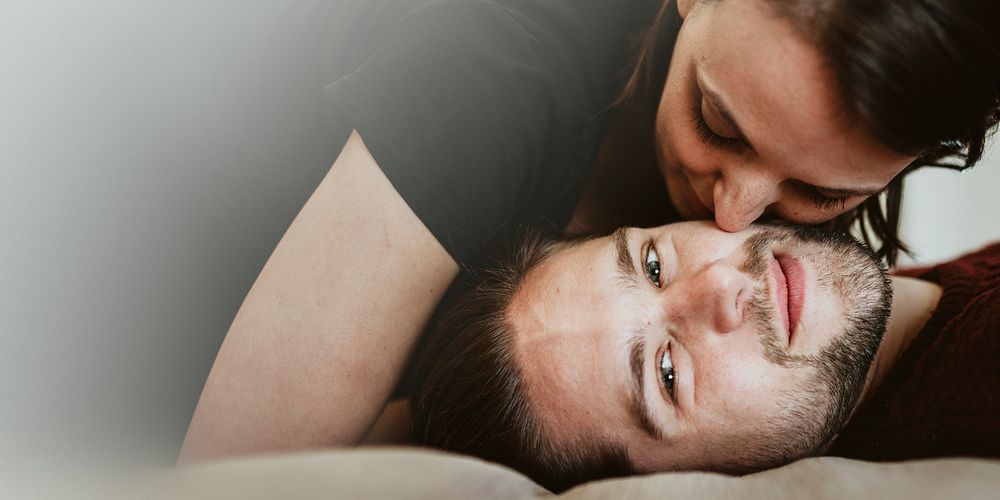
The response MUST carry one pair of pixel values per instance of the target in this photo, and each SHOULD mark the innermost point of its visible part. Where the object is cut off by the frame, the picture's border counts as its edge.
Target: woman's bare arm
(322, 337)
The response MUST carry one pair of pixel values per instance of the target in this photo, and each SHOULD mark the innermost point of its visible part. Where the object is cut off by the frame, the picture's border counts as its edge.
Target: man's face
(695, 348)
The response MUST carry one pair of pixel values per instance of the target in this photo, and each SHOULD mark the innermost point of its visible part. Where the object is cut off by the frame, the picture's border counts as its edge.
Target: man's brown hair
(469, 395)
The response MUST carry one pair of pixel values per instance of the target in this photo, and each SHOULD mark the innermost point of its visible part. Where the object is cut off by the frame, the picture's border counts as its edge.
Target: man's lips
(781, 295)
(789, 290)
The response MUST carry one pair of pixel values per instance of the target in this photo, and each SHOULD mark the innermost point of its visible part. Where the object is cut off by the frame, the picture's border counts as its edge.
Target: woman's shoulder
(483, 113)
(588, 30)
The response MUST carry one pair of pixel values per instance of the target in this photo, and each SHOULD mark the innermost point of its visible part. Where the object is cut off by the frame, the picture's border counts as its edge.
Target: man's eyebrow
(637, 389)
(623, 256)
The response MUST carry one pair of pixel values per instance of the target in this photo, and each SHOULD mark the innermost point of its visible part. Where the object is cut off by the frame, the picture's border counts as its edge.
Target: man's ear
(684, 6)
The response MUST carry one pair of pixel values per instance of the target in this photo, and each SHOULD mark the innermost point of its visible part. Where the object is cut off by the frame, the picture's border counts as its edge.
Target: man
(687, 348)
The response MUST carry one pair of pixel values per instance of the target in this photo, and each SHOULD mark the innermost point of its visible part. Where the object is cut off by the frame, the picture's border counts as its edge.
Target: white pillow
(406, 473)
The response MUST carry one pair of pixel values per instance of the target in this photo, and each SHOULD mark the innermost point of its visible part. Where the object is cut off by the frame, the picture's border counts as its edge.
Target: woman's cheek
(675, 145)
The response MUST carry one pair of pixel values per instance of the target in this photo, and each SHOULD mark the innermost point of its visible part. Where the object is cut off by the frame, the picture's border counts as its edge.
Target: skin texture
(315, 349)
(574, 318)
(799, 143)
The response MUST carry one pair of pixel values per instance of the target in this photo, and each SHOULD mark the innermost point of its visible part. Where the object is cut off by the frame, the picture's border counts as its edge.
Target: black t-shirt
(484, 115)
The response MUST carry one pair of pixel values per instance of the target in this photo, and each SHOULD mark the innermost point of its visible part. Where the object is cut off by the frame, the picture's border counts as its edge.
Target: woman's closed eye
(822, 201)
(716, 138)
(710, 137)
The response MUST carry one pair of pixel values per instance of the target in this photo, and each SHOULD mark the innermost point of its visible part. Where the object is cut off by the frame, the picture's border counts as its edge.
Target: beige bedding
(419, 473)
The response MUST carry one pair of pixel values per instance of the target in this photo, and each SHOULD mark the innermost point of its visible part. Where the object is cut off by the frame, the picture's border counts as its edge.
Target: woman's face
(750, 124)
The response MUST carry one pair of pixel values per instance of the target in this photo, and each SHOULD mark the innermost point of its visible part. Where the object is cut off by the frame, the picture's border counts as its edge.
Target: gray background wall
(947, 213)
(151, 155)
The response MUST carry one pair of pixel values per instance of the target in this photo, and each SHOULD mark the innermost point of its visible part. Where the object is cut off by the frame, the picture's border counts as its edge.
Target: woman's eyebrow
(718, 101)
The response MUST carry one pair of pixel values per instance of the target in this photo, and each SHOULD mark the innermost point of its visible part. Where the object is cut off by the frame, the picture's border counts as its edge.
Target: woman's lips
(795, 287)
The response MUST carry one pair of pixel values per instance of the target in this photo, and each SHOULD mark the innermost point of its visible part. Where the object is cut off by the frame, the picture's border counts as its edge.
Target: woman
(472, 118)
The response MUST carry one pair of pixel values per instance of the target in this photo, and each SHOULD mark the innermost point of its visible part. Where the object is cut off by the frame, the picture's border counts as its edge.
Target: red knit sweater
(942, 397)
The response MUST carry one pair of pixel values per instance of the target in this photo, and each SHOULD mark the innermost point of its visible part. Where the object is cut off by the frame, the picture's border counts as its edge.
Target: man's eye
(652, 266)
(667, 372)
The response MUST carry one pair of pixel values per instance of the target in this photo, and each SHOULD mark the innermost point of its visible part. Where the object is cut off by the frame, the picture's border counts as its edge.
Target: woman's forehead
(779, 88)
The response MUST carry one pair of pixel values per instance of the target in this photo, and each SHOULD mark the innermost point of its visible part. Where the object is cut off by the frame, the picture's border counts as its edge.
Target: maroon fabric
(942, 397)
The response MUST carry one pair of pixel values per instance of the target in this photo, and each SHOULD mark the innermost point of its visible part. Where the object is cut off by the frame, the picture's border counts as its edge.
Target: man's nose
(715, 298)
(740, 198)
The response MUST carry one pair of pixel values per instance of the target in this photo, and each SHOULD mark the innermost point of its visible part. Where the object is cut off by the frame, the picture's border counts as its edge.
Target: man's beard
(852, 272)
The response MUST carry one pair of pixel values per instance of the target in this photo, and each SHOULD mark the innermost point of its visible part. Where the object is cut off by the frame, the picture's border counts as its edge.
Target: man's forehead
(577, 392)
(557, 297)
(555, 316)
(567, 380)
(574, 364)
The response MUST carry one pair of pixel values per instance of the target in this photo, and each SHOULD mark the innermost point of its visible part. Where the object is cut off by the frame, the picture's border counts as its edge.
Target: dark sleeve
(940, 397)
(464, 107)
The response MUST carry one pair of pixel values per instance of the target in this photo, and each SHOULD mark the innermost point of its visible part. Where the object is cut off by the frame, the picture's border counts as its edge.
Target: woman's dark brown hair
(922, 75)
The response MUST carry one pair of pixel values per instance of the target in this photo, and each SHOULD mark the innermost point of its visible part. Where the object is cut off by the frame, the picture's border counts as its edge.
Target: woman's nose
(741, 198)
(716, 298)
